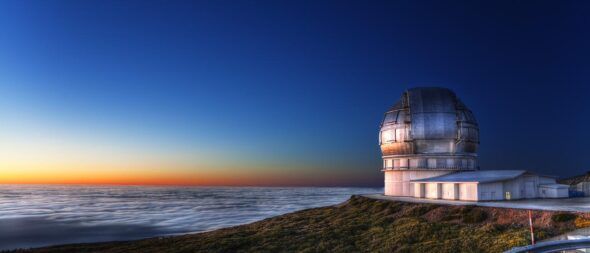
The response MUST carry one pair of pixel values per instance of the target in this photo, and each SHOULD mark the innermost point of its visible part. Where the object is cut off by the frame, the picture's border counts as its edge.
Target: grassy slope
(362, 225)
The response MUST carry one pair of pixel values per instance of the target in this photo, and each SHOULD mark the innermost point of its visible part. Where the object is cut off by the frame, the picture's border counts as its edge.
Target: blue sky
(294, 87)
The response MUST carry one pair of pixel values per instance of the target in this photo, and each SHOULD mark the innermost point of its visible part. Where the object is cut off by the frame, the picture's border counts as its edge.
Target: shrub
(582, 222)
(563, 217)
(475, 215)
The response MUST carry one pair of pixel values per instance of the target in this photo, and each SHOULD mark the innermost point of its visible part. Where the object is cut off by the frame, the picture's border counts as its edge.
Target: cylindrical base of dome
(431, 162)
(397, 182)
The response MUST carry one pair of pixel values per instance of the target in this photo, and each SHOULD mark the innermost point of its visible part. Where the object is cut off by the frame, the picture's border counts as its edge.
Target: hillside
(363, 225)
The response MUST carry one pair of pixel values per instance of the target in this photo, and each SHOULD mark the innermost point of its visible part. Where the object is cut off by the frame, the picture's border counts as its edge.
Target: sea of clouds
(37, 215)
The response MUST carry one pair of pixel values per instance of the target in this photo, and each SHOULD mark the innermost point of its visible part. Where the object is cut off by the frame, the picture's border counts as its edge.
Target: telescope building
(429, 141)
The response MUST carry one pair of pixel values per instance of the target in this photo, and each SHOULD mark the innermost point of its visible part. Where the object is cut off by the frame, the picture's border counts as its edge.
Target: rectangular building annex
(489, 185)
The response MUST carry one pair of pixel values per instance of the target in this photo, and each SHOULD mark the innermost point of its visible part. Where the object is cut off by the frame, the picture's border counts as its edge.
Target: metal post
(531, 226)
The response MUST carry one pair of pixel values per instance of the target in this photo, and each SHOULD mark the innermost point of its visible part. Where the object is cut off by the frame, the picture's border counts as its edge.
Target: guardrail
(552, 246)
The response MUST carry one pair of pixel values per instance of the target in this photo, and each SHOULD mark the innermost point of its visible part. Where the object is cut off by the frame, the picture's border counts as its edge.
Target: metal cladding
(432, 128)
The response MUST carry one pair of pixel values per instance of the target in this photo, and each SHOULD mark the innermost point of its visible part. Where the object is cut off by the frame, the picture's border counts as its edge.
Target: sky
(273, 93)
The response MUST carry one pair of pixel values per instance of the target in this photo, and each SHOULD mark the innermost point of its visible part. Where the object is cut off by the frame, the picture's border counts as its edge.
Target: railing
(553, 246)
(426, 168)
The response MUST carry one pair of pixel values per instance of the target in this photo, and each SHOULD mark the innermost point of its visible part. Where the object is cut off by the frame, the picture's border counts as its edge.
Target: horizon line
(190, 185)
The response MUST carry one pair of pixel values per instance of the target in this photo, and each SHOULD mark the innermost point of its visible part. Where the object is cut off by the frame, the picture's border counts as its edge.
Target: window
(441, 163)
(450, 163)
(413, 163)
(403, 163)
(431, 163)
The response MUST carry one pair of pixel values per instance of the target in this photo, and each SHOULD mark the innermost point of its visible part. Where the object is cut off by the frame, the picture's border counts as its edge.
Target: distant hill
(575, 179)
(363, 225)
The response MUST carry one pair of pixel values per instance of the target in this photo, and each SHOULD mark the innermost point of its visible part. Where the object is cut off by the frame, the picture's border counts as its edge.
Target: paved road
(568, 204)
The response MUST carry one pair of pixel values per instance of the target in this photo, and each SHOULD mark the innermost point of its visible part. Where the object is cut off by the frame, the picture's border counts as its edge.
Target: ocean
(41, 215)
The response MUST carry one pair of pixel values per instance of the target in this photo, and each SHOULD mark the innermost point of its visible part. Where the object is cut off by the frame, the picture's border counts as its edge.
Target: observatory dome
(432, 128)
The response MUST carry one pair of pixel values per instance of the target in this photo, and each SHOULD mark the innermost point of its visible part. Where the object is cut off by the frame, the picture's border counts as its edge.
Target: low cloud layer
(32, 216)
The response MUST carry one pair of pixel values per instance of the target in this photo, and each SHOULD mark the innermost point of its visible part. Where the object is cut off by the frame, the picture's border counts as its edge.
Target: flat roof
(481, 176)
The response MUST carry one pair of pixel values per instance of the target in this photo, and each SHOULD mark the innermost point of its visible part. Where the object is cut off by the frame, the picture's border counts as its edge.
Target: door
(529, 189)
